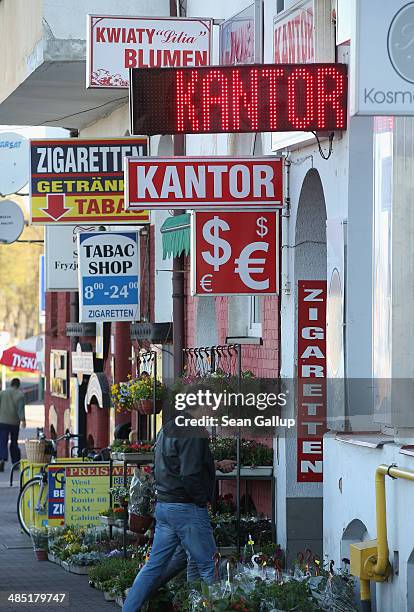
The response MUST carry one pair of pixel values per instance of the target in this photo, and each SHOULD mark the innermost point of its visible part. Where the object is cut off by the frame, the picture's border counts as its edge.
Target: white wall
(67, 18)
(349, 493)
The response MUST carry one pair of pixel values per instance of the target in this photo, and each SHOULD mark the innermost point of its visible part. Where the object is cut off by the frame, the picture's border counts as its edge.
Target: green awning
(176, 236)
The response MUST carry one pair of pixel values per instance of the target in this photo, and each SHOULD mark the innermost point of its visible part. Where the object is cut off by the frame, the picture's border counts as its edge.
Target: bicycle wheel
(32, 501)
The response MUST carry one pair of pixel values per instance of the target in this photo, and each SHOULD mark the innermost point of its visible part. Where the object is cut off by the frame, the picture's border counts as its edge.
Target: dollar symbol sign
(211, 234)
(262, 228)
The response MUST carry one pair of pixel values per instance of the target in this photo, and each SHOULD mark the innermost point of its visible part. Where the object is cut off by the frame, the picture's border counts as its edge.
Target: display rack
(204, 361)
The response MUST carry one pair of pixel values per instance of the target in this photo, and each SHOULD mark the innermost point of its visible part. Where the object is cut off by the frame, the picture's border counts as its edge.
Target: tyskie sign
(311, 380)
(78, 181)
(251, 98)
(235, 253)
(109, 276)
(116, 44)
(204, 182)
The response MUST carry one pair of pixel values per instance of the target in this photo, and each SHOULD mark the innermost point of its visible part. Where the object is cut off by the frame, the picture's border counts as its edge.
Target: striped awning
(176, 236)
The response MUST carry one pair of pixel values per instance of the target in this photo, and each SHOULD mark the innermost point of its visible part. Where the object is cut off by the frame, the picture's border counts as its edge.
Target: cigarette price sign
(108, 276)
(81, 182)
(253, 98)
(235, 253)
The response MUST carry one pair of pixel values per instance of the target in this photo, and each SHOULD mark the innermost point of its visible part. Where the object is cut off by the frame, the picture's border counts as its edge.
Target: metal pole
(238, 454)
(178, 286)
(154, 398)
(125, 508)
(111, 482)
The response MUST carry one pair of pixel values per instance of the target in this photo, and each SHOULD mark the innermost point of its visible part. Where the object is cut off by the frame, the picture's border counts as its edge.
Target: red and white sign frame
(214, 182)
(241, 36)
(246, 220)
(311, 380)
(112, 76)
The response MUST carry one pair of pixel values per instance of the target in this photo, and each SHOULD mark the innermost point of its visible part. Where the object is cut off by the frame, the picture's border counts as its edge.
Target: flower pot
(249, 471)
(108, 596)
(139, 524)
(146, 406)
(78, 569)
(138, 457)
(119, 600)
(106, 520)
(41, 555)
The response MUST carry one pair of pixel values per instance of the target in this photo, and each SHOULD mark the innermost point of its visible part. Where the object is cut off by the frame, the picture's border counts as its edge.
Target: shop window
(255, 321)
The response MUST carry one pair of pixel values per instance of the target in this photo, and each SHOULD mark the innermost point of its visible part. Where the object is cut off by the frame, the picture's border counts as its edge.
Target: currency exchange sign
(81, 181)
(204, 182)
(235, 253)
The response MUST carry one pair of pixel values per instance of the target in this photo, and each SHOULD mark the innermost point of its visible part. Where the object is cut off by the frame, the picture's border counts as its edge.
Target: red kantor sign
(203, 182)
(251, 98)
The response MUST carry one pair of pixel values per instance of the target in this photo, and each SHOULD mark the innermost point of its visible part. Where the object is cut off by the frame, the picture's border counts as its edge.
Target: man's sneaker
(1, 466)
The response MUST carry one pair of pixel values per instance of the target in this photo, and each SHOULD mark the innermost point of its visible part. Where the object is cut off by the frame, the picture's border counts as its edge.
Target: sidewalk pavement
(20, 571)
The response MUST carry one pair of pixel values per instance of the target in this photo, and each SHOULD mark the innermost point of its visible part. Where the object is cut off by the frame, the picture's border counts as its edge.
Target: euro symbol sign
(206, 283)
(221, 248)
(245, 266)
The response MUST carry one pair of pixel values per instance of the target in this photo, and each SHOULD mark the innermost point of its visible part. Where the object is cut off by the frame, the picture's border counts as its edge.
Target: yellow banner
(81, 181)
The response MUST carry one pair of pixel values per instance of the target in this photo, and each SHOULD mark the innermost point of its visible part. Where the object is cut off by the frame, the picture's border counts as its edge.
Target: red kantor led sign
(253, 98)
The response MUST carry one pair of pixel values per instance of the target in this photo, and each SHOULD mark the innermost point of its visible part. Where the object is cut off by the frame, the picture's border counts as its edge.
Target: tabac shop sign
(82, 181)
(382, 59)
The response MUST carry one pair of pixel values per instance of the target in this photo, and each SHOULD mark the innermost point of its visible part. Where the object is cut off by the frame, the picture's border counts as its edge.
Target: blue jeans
(178, 526)
(13, 431)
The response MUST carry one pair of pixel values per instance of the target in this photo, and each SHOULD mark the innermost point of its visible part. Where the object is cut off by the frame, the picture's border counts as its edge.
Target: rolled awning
(176, 236)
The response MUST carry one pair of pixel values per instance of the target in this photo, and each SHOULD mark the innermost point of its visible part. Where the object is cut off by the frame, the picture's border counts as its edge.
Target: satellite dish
(14, 166)
(11, 221)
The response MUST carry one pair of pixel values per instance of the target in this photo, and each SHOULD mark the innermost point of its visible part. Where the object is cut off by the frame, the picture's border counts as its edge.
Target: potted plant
(137, 451)
(107, 517)
(143, 392)
(142, 500)
(255, 457)
(138, 394)
(120, 495)
(39, 538)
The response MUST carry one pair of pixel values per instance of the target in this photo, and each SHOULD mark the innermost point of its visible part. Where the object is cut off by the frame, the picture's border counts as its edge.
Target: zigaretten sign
(116, 44)
(204, 182)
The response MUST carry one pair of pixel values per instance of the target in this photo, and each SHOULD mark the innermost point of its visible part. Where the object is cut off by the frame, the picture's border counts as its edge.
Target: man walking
(11, 417)
(185, 477)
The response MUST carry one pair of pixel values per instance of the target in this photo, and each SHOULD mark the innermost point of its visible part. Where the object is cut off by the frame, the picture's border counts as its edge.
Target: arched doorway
(356, 531)
(305, 487)
(97, 404)
(310, 231)
(410, 581)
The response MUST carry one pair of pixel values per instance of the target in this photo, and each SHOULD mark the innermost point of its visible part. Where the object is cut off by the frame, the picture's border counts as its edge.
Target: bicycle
(34, 493)
(16, 466)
